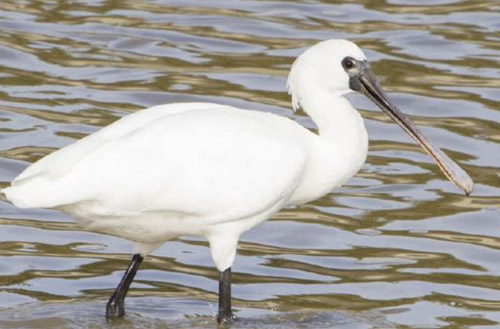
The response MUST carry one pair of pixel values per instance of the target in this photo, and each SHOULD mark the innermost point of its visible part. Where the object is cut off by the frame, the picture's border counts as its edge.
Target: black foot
(226, 318)
(114, 309)
(225, 314)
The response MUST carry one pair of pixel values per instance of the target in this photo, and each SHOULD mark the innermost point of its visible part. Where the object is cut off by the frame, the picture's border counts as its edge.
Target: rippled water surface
(397, 247)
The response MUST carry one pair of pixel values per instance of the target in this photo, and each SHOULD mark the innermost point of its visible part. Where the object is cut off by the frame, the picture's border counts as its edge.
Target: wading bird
(214, 170)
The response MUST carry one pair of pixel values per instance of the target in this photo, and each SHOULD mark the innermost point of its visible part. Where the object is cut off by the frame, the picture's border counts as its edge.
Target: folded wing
(200, 159)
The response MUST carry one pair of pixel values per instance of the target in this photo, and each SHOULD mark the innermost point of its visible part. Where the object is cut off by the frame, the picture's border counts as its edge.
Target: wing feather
(206, 161)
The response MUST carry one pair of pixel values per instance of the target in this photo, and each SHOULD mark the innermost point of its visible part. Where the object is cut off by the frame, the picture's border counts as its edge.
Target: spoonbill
(214, 170)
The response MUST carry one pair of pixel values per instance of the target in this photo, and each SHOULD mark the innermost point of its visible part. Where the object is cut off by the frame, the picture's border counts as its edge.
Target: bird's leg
(116, 304)
(225, 314)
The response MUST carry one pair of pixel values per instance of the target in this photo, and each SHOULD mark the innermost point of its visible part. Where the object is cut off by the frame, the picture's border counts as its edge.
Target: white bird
(214, 170)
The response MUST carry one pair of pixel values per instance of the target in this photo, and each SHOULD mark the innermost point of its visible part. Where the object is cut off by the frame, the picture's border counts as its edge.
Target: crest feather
(291, 85)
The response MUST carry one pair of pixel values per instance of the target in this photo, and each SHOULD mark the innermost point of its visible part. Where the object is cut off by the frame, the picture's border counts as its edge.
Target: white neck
(340, 149)
(337, 121)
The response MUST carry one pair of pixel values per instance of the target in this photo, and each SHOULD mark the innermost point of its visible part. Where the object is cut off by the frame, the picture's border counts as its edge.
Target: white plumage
(209, 169)
(181, 169)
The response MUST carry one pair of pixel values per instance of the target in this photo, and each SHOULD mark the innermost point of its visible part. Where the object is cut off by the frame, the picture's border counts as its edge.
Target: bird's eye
(348, 63)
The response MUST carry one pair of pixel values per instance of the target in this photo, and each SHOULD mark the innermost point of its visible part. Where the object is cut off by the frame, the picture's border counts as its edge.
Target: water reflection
(397, 246)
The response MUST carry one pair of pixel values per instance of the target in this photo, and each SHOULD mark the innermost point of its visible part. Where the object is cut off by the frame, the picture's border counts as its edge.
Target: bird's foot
(114, 309)
(226, 318)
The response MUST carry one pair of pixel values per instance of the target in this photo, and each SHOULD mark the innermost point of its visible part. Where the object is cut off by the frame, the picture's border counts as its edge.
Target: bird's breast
(330, 163)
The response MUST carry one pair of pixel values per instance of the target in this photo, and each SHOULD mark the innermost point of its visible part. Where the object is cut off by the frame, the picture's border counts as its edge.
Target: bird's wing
(220, 162)
(58, 163)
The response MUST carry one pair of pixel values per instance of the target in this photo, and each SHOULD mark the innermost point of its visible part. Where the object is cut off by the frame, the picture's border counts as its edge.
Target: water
(396, 247)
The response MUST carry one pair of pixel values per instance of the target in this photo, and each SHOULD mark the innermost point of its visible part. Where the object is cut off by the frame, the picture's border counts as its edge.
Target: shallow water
(397, 247)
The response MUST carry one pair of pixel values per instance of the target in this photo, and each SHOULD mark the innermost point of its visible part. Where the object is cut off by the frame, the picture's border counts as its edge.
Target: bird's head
(337, 67)
(321, 67)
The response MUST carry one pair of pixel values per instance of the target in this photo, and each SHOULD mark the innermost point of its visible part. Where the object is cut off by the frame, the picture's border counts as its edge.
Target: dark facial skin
(362, 79)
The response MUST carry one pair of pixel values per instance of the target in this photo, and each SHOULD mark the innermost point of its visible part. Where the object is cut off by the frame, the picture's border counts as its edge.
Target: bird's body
(188, 168)
(215, 170)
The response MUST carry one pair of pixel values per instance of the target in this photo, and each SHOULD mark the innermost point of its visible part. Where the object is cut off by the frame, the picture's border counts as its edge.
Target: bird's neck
(338, 152)
(337, 121)
(342, 136)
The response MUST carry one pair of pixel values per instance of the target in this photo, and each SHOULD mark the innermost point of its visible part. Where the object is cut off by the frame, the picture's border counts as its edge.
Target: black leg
(225, 314)
(116, 304)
